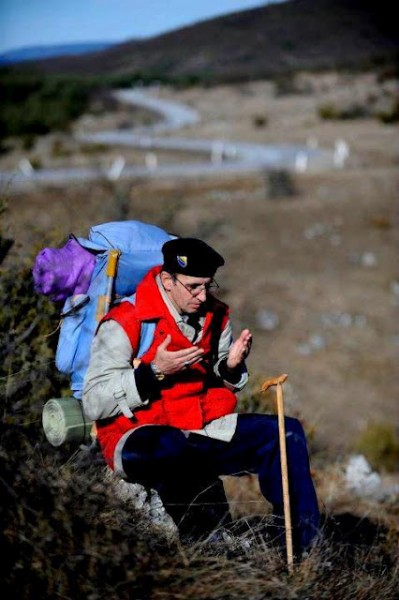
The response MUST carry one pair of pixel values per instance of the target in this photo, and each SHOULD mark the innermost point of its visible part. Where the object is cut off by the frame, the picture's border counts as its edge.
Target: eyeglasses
(196, 288)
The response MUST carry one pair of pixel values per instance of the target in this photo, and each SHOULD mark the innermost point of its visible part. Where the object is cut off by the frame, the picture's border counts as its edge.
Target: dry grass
(67, 535)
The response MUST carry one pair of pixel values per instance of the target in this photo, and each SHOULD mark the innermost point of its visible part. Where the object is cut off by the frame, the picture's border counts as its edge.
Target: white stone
(267, 320)
(360, 478)
(147, 501)
(368, 259)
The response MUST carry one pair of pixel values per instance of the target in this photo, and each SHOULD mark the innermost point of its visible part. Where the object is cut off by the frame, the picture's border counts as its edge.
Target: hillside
(262, 42)
(313, 274)
(45, 52)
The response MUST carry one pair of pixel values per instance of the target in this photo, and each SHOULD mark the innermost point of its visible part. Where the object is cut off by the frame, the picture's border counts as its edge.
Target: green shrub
(59, 150)
(259, 121)
(285, 85)
(391, 115)
(379, 443)
(280, 184)
(28, 333)
(330, 111)
(28, 141)
(33, 104)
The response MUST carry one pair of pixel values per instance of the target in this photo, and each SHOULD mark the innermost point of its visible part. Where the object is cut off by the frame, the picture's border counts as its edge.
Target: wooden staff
(278, 381)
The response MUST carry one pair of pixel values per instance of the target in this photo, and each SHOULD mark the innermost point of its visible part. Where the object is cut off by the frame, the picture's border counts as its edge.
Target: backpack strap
(146, 336)
(140, 333)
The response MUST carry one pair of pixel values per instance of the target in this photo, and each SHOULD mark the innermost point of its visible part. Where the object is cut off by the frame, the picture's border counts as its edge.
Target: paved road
(219, 156)
(173, 114)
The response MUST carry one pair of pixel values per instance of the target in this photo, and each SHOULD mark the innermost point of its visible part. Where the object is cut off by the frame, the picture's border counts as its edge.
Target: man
(166, 419)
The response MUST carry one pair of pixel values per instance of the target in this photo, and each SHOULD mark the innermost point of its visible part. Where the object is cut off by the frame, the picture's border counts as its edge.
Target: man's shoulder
(122, 312)
(125, 315)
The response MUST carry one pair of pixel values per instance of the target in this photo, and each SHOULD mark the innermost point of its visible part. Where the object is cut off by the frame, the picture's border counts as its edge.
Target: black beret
(190, 256)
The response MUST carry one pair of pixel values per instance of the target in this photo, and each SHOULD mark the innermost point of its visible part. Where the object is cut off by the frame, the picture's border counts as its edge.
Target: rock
(360, 478)
(368, 259)
(267, 320)
(146, 501)
(344, 320)
(315, 343)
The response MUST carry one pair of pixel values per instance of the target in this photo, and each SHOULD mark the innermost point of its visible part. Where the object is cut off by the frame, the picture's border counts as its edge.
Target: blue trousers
(185, 471)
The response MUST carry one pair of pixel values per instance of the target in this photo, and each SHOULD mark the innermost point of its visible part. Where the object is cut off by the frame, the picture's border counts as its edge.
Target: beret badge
(182, 261)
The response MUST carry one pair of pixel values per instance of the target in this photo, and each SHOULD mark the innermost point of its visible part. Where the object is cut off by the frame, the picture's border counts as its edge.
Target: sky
(26, 23)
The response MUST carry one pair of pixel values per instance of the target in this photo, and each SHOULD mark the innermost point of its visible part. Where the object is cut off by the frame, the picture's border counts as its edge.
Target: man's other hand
(239, 350)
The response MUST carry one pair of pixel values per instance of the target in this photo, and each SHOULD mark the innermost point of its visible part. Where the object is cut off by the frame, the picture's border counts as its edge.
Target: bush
(379, 443)
(33, 104)
(390, 116)
(28, 377)
(330, 111)
(280, 184)
(259, 121)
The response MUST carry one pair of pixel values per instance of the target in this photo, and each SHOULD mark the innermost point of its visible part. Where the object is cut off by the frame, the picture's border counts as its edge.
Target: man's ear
(167, 280)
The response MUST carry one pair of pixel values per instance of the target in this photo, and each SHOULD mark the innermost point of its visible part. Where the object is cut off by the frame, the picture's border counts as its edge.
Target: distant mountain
(44, 52)
(261, 42)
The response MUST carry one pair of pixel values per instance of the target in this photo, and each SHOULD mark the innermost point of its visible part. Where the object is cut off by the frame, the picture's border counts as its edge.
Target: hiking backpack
(90, 275)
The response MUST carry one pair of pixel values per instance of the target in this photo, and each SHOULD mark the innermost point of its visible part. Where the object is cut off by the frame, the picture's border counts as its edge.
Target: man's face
(187, 294)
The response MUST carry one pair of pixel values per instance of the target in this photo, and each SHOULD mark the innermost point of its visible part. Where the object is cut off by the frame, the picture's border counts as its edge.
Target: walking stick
(278, 381)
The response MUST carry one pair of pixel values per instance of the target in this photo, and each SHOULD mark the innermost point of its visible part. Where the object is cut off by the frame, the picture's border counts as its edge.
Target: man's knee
(153, 450)
(294, 427)
(269, 424)
(295, 438)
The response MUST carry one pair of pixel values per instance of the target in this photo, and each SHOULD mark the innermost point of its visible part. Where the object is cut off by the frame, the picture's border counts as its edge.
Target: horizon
(25, 26)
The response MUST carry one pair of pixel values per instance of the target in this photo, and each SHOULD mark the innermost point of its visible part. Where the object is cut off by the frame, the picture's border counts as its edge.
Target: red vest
(189, 399)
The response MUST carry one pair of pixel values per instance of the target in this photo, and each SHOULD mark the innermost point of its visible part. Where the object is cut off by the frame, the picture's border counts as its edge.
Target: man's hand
(239, 350)
(172, 362)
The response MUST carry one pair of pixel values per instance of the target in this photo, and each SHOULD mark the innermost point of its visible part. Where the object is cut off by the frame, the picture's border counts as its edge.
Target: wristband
(231, 375)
